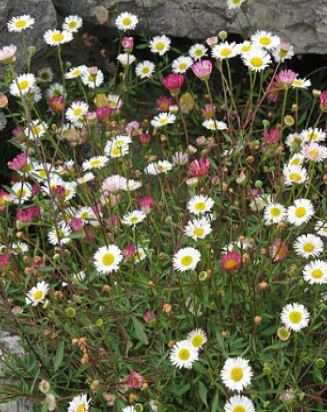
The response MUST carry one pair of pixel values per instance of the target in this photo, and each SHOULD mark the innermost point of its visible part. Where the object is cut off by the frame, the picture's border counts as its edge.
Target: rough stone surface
(302, 23)
(12, 343)
(45, 17)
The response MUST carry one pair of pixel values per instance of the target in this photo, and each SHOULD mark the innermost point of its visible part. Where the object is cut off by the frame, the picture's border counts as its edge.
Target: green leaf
(139, 331)
(214, 405)
(203, 392)
(59, 355)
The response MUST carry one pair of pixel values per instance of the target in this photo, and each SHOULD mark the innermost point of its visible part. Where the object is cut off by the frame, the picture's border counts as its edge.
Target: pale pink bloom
(7, 53)
(76, 223)
(285, 78)
(132, 127)
(202, 69)
(323, 100)
(4, 260)
(212, 41)
(315, 152)
(129, 251)
(241, 178)
(134, 380)
(18, 162)
(278, 250)
(180, 158)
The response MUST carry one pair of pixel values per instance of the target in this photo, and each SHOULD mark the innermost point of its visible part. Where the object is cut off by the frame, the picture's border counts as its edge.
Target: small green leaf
(203, 392)
(139, 331)
(214, 405)
(59, 355)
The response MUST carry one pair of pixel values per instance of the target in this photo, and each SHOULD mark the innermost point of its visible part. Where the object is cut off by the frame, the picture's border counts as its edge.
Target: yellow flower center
(134, 219)
(239, 408)
(198, 231)
(81, 408)
(308, 247)
(316, 273)
(313, 136)
(145, 70)
(300, 212)
(236, 1)
(297, 83)
(23, 85)
(314, 153)
(108, 259)
(226, 52)
(20, 24)
(160, 45)
(230, 263)
(42, 173)
(200, 206)
(21, 192)
(77, 72)
(127, 21)
(256, 61)
(295, 161)
(246, 47)
(36, 130)
(95, 162)
(116, 151)
(38, 295)
(186, 260)
(182, 66)
(275, 211)
(265, 41)
(236, 374)
(163, 121)
(184, 354)
(295, 317)
(67, 192)
(78, 111)
(72, 24)
(92, 77)
(197, 341)
(58, 37)
(119, 143)
(84, 215)
(198, 52)
(295, 176)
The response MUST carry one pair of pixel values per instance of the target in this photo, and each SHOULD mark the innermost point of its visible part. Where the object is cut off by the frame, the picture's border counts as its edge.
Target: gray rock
(304, 24)
(42, 11)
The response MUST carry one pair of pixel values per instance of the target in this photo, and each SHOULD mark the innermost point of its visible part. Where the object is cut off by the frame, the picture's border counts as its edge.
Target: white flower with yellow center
(22, 192)
(183, 354)
(197, 338)
(86, 213)
(132, 218)
(265, 39)
(107, 258)
(244, 47)
(186, 259)
(121, 140)
(200, 204)
(212, 124)
(139, 255)
(313, 135)
(197, 51)
(56, 89)
(198, 228)
(77, 111)
(257, 59)
(86, 178)
(37, 294)
(294, 174)
(116, 151)
(296, 159)
(145, 69)
(126, 21)
(18, 24)
(72, 23)
(274, 213)
(224, 51)
(314, 152)
(79, 403)
(239, 403)
(163, 119)
(35, 129)
(308, 246)
(96, 162)
(281, 53)
(294, 140)
(236, 374)
(315, 272)
(114, 101)
(76, 72)
(57, 37)
(40, 172)
(301, 212)
(130, 185)
(19, 248)
(160, 44)
(301, 83)
(162, 166)
(60, 235)
(22, 85)
(181, 64)
(321, 228)
(295, 316)
(92, 80)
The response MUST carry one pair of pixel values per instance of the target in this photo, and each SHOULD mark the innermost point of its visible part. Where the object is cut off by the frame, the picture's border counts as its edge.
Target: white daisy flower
(40, 172)
(160, 44)
(244, 47)
(301, 212)
(315, 272)
(182, 64)
(92, 80)
(35, 130)
(72, 23)
(126, 21)
(236, 374)
(234, 4)
(314, 152)
(22, 192)
(126, 59)
(162, 166)
(200, 204)
(114, 101)
(224, 50)
(56, 89)
(256, 59)
(61, 237)
(282, 53)
(183, 354)
(107, 258)
(239, 403)
(265, 39)
(301, 83)
(294, 140)
(120, 141)
(145, 69)
(114, 183)
(139, 254)
(308, 246)
(296, 159)
(198, 228)
(22, 85)
(295, 316)
(57, 37)
(77, 111)
(115, 151)
(129, 409)
(79, 403)
(186, 259)
(86, 213)
(37, 294)
(212, 124)
(19, 248)
(18, 24)
(76, 72)
(132, 218)
(45, 75)
(86, 178)
(96, 162)
(313, 135)
(197, 51)
(163, 119)
(36, 94)
(321, 228)
(274, 213)
(131, 185)
(197, 338)
(294, 174)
